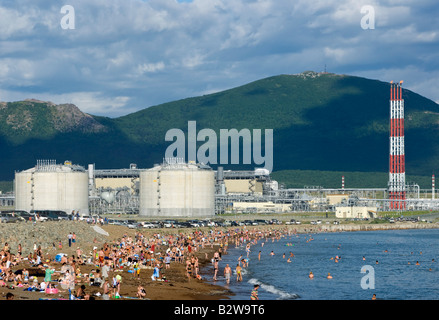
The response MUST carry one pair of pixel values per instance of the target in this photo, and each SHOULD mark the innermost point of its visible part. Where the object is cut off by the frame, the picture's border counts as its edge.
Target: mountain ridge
(321, 121)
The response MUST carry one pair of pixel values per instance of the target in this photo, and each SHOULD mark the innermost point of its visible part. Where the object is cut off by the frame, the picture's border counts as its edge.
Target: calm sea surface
(401, 265)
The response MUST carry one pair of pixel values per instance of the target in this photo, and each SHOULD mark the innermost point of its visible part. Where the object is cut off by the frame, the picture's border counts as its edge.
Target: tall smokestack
(432, 188)
(397, 192)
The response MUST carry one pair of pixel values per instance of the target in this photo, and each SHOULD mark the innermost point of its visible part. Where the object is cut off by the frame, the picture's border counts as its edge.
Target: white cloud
(127, 55)
(151, 67)
(14, 22)
(94, 102)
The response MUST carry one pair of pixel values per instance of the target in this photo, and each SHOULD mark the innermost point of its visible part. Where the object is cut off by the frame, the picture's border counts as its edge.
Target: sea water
(401, 264)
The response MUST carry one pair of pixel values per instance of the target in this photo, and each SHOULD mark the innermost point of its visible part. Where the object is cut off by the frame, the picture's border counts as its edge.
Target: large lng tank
(51, 186)
(177, 190)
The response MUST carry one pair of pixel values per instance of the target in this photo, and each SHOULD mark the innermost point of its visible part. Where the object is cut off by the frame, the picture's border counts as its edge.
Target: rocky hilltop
(31, 118)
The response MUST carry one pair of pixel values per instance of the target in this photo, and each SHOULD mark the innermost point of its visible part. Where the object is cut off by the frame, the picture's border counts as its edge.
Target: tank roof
(52, 166)
(179, 164)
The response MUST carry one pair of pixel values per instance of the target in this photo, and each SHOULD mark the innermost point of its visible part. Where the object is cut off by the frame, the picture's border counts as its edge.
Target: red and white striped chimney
(397, 192)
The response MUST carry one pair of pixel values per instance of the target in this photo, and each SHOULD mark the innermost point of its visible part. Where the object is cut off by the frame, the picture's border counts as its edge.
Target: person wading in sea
(254, 294)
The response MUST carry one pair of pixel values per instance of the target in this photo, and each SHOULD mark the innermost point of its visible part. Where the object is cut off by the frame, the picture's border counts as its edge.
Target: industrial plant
(176, 188)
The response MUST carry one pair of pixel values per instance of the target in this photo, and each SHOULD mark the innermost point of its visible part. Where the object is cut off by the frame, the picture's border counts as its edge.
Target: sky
(114, 57)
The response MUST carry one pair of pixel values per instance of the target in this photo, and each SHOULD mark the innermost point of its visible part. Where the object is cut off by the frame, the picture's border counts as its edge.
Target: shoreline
(179, 287)
(310, 229)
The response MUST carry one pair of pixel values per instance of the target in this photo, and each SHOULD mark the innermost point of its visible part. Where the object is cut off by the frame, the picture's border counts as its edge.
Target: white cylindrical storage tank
(54, 187)
(177, 190)
(23, 190)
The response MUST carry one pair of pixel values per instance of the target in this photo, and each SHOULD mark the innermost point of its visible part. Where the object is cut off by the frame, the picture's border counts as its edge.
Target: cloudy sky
(113, 57)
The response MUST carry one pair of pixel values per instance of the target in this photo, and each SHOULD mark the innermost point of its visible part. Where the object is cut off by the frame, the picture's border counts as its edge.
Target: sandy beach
(177, 286)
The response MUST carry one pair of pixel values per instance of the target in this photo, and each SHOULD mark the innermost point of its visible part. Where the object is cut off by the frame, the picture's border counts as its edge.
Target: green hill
(321, 122)
(333, 179)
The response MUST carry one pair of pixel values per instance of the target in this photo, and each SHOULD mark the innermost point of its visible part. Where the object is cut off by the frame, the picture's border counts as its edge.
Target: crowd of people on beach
(155, 251)
(158, 251)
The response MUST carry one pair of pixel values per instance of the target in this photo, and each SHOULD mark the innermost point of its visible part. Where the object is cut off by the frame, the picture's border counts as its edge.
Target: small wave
(272, 289)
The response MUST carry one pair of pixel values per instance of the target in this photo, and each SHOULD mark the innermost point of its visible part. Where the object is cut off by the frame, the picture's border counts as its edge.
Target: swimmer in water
(311, 276)
(374, 296)
(329, 276)
(238, 273)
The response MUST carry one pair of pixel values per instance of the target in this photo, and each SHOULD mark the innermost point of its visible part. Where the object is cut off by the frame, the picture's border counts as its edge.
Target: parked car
(194, 223)
(156, 224)
(203, 223)
(60, 215)
(8, 218)
(51, 215)
(118, 222)
(132, 224)
(20, 214)
(184, 224)
(23, 215)
(211, 224)
(227, 223)
(147, 225)
(168, 224)
(38, 216)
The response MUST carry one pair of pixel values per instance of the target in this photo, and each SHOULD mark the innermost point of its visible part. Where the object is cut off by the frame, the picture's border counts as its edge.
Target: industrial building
(355, 212)
(179, 189)
(51, 186)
